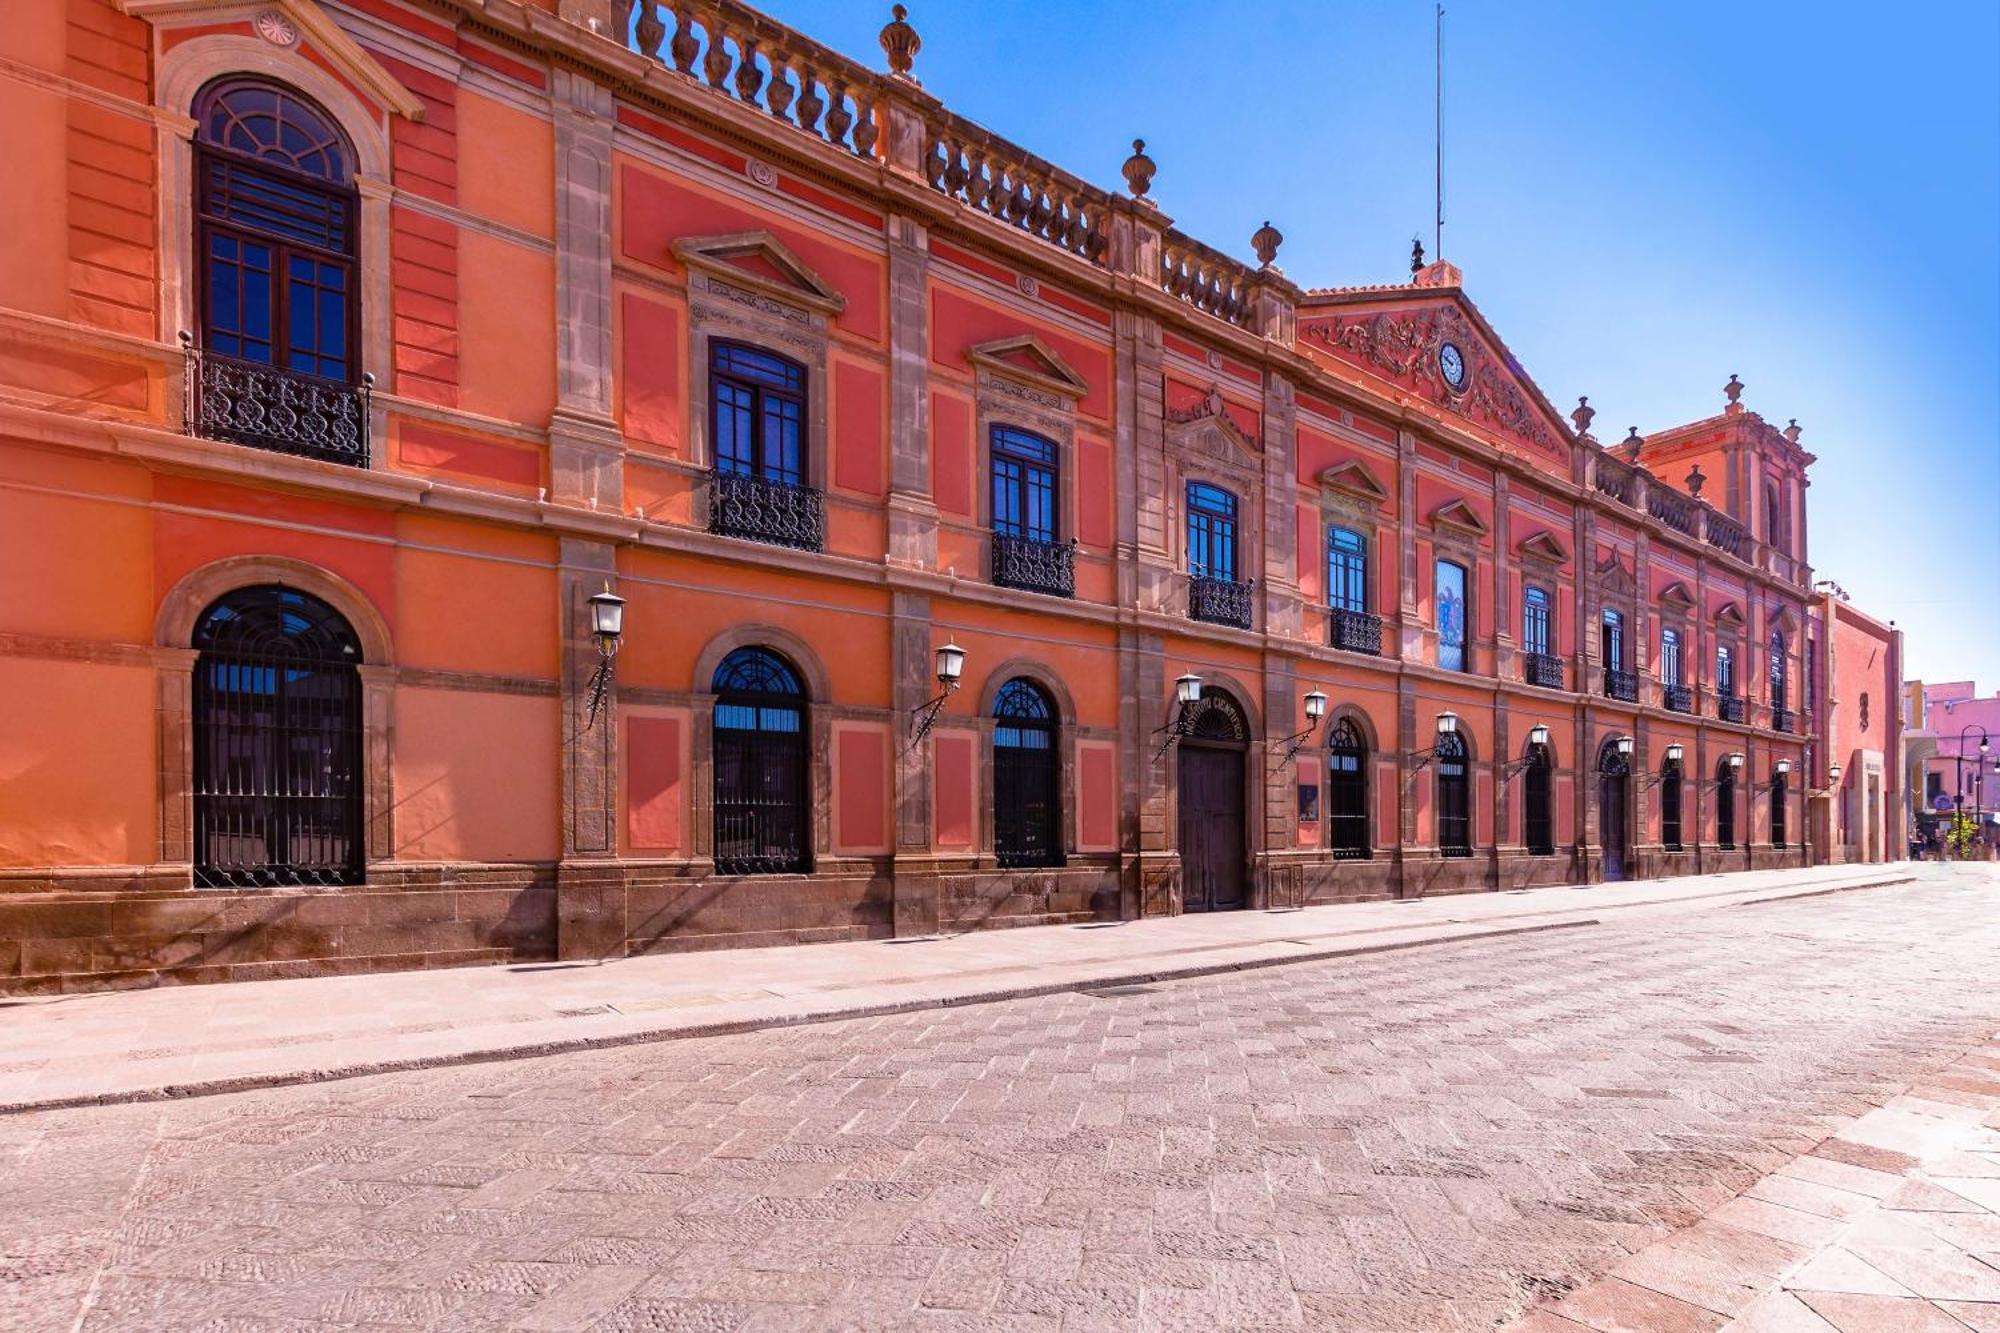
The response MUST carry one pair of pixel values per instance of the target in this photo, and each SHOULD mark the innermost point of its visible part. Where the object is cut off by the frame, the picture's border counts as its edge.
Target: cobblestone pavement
(1426, 1140)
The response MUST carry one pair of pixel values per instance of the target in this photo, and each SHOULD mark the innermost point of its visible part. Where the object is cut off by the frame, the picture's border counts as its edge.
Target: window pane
(732, 429)
(1008, 501)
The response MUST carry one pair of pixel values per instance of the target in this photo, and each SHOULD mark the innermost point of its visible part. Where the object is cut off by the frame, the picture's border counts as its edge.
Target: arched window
(1347, 792)
(761, 783)
(1538, 824)
(1535, 620)
(275, 236)
(277, 742)
(1454, 796)
(1027, 777)
(1778, 783)
(1670, 805)
(1778, 695)
(1725, 805)
(1024, 485)
(1346, 570)
(758, 402)
(1211, 532)
(1774, 511)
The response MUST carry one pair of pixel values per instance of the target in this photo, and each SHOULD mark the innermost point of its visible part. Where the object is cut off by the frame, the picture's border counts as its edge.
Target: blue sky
(1645, 198)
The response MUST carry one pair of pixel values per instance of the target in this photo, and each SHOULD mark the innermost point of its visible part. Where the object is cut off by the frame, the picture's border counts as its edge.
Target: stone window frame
(728, 303)
(175, 656)
(1727, 631)
(1674, 610)
(1040, 403)
(1068, 732)
(821, 714)
(1350, 497)
(1211, 448)
(1615, 588)
(182, 72)
(1542, 561)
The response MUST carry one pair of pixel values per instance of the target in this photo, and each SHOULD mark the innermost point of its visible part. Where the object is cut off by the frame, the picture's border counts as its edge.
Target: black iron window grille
(1782, 719)
(1543, 670)
(277, 743)
(1778, 810)
(1347, 793)
(1670, 806)
(1356, 631)
(1677, 698)
(241, 402)
(1219, 601)
(1035, 566)
(1027, 777)
(1621, 685)
(1725, 806)
(766, 511)
(1730, 708)
(1454, 796)
(1538, 823)
(761, 778)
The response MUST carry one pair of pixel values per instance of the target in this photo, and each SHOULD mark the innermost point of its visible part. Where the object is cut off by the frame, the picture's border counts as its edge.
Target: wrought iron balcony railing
(1729, 707)
(266, 407)
(1219, 601)
(1782, 719)
(1677, 698)
(1035, 566)
(1621, 685)
(766, 511)
(1356, 631)
(1542, 669)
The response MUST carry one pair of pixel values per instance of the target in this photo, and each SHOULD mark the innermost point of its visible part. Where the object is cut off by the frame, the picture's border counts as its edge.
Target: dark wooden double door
(1615, 837)
(1214, 876)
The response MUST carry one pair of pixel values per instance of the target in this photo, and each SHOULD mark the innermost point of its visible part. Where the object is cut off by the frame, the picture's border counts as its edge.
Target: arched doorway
(1214, 876)
(762, 788)
(1614, 784)
(277, 742)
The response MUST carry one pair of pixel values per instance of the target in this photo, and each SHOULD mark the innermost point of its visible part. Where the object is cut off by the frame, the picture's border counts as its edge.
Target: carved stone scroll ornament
(1404, 344)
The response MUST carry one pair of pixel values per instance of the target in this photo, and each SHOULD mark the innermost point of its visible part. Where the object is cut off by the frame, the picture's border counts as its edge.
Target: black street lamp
(1958, 772)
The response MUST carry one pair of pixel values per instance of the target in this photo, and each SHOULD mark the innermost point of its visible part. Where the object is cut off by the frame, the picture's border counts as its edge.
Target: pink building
(1954, 754)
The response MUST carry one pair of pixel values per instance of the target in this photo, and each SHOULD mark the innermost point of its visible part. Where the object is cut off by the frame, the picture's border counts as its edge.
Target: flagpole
(1437, 237)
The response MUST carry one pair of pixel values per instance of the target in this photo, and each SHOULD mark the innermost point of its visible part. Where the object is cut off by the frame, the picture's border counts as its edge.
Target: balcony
(1035, 566)
(1783, 719)
(1219, 601)
(1677, 698)
(1729, 707)
(766, 511)
(1622, 685)
(1726, 534)
(1356, 631)
(265, 407)
(1542, 669)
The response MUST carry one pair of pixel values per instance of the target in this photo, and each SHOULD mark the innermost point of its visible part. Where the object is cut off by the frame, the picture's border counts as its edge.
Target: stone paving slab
(181, 1041)
(1414, 1141)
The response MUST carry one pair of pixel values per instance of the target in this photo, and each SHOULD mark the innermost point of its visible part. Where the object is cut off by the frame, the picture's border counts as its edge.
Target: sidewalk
(136, 1045)
(1893, 1223)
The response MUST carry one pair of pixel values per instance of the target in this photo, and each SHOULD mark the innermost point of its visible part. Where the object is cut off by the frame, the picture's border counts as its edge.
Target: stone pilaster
(913, 522)
(1150, 874)
(916, 877)
(1282, 613)
(1411, 646)
(586, 452)
(590, 903)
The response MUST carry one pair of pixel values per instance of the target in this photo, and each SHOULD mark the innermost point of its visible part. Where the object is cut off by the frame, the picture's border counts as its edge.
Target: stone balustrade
(1618, 480)
(985, 172)
(1206, 279)
(744, 55)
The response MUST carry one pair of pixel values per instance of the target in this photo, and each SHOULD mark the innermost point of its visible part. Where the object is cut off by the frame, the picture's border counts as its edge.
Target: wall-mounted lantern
(1187, 691)
(1538, 740)
(949, 667)
(1447, 725)
(1315, 703)
(607, 631)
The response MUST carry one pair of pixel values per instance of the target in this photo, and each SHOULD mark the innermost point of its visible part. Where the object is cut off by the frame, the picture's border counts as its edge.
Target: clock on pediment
(1451, 365)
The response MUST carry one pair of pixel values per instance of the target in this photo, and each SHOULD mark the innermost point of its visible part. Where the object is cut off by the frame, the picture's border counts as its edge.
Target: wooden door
(1211, 828)
(1611, 818)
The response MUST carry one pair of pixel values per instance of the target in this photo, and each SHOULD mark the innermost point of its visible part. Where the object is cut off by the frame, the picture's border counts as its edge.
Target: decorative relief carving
(758, 301)
(1404, 344)
(1007, 388)
(1614, 578)
(1209, 405)
(762, 172)
(1026, 284)
(277, 28)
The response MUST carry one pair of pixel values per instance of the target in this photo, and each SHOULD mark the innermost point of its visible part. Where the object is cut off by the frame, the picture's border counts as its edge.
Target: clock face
(1452, 365)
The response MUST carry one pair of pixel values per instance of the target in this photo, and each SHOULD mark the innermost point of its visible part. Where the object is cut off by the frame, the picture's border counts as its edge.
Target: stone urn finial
(900, 42)
(1416, 254)
(1695, 481)
(1632, 443)
(1733, 390)
(1139, 170)
(1583, 416)
(1792, 431)
(1265, 241)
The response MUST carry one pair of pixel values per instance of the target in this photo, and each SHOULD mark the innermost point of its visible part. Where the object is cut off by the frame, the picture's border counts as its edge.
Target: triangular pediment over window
(1729, 616)
(1026, 357)
(1460, 515)
(1675, 597)
(1613, 576)
(1353, 479)
(760, 261)
(288, 24)
(1543, 546)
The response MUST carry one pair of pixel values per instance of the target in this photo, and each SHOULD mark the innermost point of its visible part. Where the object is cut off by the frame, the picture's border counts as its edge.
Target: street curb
(738, 1026)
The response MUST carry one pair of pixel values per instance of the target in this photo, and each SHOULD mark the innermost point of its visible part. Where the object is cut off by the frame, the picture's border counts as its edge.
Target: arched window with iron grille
(1347, 792)
(277, 742)
(1725, 805)
(1454, 796)
(1538, 831)
(1778, 783)
(1670, 805)
(762, 787)
(1027, 777)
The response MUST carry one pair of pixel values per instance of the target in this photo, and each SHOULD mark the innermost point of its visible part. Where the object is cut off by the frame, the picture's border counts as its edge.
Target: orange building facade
(348, 348)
